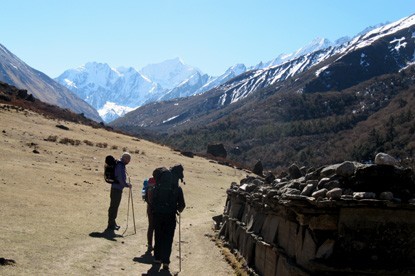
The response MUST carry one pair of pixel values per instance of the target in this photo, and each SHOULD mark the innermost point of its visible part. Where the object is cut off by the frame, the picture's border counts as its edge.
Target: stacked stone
(342, 218)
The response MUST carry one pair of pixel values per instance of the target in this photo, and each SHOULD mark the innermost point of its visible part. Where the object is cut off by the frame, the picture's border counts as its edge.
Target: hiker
(148, 186)
(117, 187)
(168, 200)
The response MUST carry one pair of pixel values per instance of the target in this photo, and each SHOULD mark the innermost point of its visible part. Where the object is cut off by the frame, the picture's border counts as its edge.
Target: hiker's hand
(129, 185)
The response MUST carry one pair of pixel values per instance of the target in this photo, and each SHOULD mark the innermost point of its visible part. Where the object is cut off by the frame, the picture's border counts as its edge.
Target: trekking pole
(132, 207)
(180, 247)
(128, 211)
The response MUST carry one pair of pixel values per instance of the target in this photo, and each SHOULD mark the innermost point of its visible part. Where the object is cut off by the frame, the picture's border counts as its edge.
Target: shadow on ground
(155, 268)
(106, 234)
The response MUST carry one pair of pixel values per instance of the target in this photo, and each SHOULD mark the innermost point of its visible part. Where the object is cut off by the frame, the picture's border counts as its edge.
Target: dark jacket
(120, 176)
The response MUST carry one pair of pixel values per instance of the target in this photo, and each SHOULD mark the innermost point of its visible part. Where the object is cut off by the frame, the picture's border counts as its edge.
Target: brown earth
(51, 201)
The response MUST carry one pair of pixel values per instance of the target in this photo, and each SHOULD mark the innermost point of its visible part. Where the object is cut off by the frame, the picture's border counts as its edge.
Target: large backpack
(109, 169)
(164, 199)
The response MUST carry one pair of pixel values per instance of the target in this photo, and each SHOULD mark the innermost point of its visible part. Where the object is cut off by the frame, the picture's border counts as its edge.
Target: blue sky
(54, 35)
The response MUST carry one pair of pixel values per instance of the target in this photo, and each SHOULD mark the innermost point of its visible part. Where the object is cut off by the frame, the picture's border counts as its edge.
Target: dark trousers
(150, 229)
(164, 226)
(115, 196)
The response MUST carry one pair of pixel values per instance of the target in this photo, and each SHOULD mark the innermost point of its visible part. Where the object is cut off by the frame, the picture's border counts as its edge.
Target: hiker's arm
(180, 200)
(120, 176)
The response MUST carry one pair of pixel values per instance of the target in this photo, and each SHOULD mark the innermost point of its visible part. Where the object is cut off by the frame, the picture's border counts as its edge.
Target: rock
(258, 168)
(323, 182)
(269, 178)
(320, 193)
(411, 201)
(385, 159)
(329, 185)
(335, 193)
(309, 189)
(346, 169)
(329, 171)
(62, 127)
(364, 195)
(386, 196)
(187, 154)
(294, 172)
(217, 150)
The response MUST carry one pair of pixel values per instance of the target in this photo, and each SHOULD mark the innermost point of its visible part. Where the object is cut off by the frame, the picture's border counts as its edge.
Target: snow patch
(170, 119)
(70, 83)
(319, 71)
(112, 109)
(399, 43)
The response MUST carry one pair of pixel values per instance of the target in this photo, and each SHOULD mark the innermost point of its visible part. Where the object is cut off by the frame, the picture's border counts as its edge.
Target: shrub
(70, 141)
(102, 145)
(52, 138)
(89, 143)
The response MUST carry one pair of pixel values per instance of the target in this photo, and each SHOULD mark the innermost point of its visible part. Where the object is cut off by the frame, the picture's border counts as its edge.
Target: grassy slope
(51, 201)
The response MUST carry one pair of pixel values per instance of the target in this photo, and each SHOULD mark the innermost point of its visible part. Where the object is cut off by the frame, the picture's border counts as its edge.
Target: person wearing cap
(116, 190)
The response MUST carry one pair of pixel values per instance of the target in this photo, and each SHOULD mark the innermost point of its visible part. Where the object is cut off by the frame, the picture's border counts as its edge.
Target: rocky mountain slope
(15, 72)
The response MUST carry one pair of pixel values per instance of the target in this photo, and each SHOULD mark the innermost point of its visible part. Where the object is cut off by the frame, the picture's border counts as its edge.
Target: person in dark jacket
(116, 190)
(165, 224)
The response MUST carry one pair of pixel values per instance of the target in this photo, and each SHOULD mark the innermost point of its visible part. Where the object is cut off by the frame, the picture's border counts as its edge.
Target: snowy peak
(368, 38)
(315, 45)
(98, 83)
(169, 73)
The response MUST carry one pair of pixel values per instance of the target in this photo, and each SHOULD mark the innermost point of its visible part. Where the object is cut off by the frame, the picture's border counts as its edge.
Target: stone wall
(344, 219)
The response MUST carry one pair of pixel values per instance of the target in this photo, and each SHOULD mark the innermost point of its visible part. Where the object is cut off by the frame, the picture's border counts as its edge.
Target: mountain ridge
(16, 72)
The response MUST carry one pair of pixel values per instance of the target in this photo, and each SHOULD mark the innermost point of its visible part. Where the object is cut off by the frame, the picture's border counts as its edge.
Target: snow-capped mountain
(170, 73)
(315, 45)
(230, 73)
(111, 111)
(306, 58)
(383, 50)
(119, 90)
(187, 87)
(99, 84)
(198, 83)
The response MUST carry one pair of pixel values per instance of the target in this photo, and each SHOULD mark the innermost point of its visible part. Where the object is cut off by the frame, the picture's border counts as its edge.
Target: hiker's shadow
(147, 258)
(107, 234)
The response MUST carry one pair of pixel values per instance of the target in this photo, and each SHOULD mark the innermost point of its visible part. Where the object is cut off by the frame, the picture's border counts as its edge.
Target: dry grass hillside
(52, 196)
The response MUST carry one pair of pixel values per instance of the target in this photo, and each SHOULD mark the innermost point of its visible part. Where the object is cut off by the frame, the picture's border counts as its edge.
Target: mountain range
(116, 91)
(260, 110)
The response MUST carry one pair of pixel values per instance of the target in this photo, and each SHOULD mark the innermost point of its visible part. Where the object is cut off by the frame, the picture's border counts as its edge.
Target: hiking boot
(166, 266)
(113, 227)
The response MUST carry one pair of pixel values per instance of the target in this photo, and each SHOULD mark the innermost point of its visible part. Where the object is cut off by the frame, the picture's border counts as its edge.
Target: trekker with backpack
(167, 201)
(117, 186)
(148, 188)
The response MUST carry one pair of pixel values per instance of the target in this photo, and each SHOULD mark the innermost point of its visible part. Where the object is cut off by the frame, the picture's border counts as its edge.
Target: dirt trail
(53, 200)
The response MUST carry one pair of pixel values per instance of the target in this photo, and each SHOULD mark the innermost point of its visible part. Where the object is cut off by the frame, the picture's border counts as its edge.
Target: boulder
(217, 150)
(385, 159)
